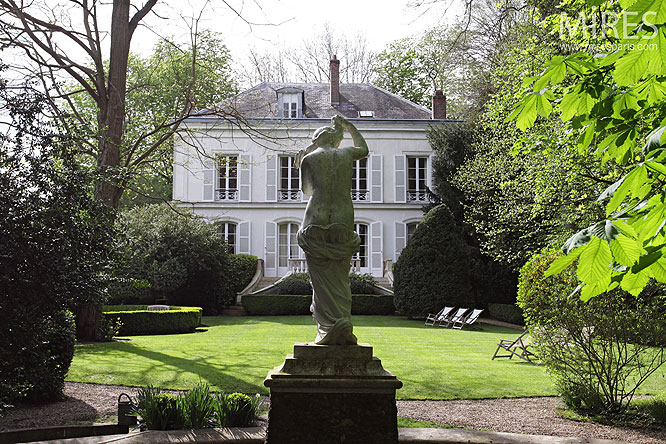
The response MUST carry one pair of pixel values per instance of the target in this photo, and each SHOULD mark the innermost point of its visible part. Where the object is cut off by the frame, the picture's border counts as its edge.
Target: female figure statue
(327, 235)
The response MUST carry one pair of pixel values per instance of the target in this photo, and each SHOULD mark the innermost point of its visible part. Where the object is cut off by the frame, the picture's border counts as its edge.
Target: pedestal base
(332, 394)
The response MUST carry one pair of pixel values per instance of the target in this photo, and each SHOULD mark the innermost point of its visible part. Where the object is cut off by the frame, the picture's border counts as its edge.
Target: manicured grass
(235, 354)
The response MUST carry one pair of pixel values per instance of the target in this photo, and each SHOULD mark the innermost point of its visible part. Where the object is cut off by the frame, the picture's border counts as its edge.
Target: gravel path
(92, 402)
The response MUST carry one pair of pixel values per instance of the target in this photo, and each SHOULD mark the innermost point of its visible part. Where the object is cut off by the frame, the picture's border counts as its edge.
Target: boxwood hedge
(137, 320)
(287, 304)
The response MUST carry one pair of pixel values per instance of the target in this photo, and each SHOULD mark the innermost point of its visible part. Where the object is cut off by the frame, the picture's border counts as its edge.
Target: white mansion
(245, 181)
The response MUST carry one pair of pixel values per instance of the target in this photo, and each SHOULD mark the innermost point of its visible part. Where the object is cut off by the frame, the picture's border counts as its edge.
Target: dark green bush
(276, 304)
(281, 304)
(434, 268)
(506, 312)
(238, 272)
(130, 291)
(598, 351)
(296, 284)
(177, 252)
(362, 284)
(372, 304)
(136, 320)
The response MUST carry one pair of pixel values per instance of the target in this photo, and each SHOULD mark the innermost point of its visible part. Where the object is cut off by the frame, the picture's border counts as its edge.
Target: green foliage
(296, 284)
(507, 313)
(239, 270)
(136, 320)
(281, 304)
(434, 268)
(129, 291)
(276, 304)
(236, 409)
(178, 253)
(197, 408)
(362, 283)
(599, 352)
(53, 248)
(613, 107)
(654, 406)
(372, 304)
(158, 410)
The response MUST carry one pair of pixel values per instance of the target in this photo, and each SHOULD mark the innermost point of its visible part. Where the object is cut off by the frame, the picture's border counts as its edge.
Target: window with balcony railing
(360, 191)
(417, 176)
(227, 177)
(290, 183)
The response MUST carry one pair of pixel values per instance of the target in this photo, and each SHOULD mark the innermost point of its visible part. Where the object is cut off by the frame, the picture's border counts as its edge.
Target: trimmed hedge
(136, 320)
(507, 313)
(288, 304)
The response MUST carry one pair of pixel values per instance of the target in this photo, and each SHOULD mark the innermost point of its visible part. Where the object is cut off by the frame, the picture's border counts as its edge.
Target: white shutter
(208, 179)
(400, 238)
(243, 246)
(400, 180)
(376, 179)
(270, 249)
(376, 250)
(245, 177)
(271, 178)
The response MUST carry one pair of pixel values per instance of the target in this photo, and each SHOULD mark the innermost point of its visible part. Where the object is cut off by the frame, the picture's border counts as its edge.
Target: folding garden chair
(468, 321)
(459, 314)
(440, 317)
(518, 347)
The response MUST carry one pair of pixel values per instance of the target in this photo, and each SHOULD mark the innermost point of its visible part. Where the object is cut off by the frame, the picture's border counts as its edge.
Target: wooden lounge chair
(457, 316)
(469, 320)
(517, 347)
(441, 316)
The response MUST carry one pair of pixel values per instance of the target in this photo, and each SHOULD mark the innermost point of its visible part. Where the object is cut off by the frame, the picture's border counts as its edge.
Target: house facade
(244, 180)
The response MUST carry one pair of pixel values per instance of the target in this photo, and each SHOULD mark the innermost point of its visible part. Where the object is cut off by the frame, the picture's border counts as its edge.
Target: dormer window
(366, 114)
(290, 103)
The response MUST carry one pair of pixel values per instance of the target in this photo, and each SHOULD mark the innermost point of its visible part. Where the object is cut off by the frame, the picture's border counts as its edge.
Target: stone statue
(327, 235)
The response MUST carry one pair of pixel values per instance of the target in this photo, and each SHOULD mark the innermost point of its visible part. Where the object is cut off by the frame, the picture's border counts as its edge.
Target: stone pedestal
(332, 394)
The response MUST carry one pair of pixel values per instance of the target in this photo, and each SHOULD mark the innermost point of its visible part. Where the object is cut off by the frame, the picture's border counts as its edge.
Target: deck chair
(441, 316)
(468, 321)
(459, 314)
(517, 347)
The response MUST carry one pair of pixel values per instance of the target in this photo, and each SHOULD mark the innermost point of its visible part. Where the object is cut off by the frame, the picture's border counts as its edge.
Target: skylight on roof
(366, 114)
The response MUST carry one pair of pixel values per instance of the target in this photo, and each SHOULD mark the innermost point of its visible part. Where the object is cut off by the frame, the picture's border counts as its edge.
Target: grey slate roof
(260, 102)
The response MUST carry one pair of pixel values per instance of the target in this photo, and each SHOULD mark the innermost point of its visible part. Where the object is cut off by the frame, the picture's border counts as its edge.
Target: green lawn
(235, 354)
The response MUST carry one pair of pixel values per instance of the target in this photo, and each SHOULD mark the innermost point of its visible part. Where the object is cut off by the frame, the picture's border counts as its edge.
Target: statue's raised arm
(360, 147)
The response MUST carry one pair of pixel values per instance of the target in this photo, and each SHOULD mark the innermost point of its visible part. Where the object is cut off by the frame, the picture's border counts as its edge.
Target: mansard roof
(261, 102)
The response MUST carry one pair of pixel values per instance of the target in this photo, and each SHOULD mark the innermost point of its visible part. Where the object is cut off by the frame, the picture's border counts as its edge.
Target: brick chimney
(439, 105)
(335, 80)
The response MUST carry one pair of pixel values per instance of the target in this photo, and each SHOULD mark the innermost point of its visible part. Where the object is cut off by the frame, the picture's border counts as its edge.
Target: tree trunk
(87, 317)
(111, 116)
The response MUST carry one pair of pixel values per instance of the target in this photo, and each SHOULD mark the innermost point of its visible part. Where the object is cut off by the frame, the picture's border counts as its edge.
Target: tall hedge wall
(287, 304)
(136, 320)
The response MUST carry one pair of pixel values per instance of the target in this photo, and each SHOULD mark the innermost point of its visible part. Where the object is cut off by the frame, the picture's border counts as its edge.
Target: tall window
(411, 228)
(227, 177)
(290, 184)
(359, 191)
(290, 105)
(287, 244)
(227, 230)
(417, 170)
(362, 255)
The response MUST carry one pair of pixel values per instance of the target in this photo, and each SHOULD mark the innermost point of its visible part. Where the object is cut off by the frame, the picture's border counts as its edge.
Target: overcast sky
(287, 22)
